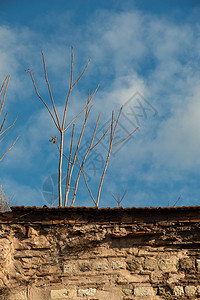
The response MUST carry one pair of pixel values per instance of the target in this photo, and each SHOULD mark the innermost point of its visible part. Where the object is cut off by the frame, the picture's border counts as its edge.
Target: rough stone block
(85, 266)
(150, 264)
(127, 292)
(132, 265)
(164, 291)
(178, 291)
(139, 278)
(17, 296)
(121, 280)
(198, 264)
(69, 268)
(165, 264)
(190, 290)
(142, 291)
(101, 266)
(173, 278)
(86, 292)
(117, 264)
(186, 263)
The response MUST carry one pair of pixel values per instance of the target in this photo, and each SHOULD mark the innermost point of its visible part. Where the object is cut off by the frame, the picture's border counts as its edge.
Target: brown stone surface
(100, 254)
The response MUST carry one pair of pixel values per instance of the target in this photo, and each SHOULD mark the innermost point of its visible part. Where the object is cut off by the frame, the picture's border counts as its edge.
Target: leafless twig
(5, 132)
(119, 199)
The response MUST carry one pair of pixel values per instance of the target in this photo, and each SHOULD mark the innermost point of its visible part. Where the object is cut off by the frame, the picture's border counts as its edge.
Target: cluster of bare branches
(4, 201)
(119, 199)
(62, 127)
(5, 132)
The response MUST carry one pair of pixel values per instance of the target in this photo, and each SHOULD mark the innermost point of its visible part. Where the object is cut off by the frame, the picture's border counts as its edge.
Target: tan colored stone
(86, 292)
(143, 291)
(190, 290)
(18, 296)
(62, 294)
(69, 267)
(150, 264)
(174, 278)
(178, 291)
(187, 263)
(117, 264)
(101, 266)
(166, 265)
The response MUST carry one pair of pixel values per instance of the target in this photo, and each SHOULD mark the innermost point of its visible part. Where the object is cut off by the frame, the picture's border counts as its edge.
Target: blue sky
(146, 56)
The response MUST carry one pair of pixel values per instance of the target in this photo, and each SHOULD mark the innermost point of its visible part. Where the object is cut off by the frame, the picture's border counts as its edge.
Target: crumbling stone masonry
(96, 254)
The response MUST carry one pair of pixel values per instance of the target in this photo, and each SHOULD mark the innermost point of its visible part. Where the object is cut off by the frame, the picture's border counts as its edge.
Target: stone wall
(84, 253)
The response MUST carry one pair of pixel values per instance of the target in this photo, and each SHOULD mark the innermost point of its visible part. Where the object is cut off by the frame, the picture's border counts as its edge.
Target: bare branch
(72, 64)
(81, 74)
(177, 201)
(81, 168)
(9, 129)
(77, 147)
(3, 122)
(89, 100)
(46, 78)
(100, 138)
(125, 138)
(112, 134)
(4, 96)
(123, 195)
(68, 169)
(9, 148)
(77, 180)
(28, 71)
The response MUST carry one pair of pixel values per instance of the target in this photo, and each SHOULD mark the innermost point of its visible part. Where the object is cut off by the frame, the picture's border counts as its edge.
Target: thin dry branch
(9, 148)
(86, 107)
(69, 164)
(119, 200)
(49, 88)
(82, 73)
(78, 177)
(6, 81)
(81, 168)
(177, 201)
(112, 134)
(9, 130)
(125, 138)
(101, 138)
(36, 90)
(4, 119)
(77, 147)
